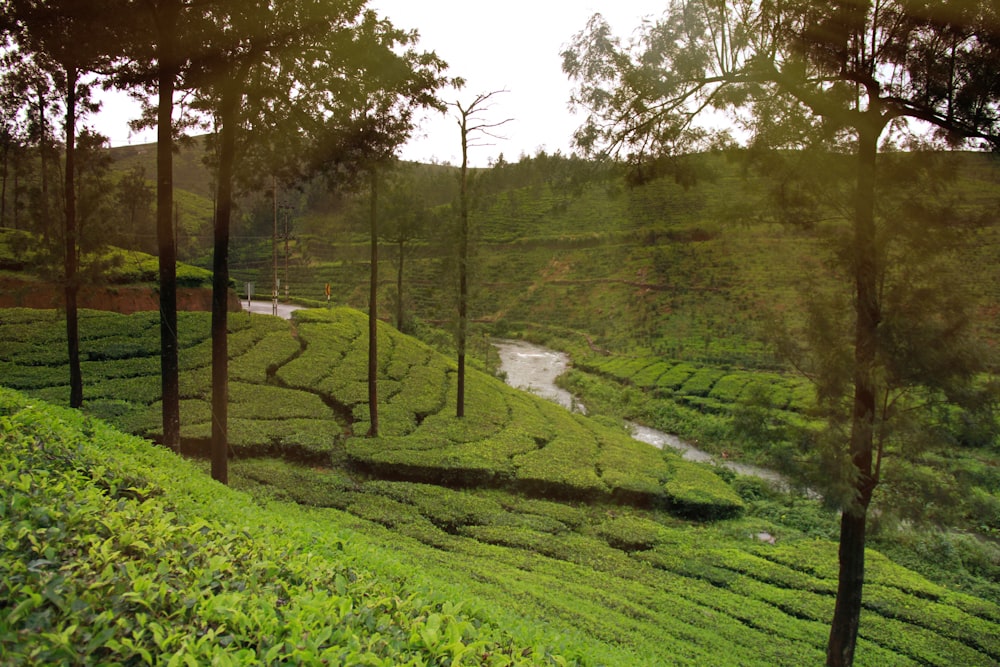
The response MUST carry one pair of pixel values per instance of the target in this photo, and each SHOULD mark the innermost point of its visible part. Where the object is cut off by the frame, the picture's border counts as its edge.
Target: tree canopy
(844, 75)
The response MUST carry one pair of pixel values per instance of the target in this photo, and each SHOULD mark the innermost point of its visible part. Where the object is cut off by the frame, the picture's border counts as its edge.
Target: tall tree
(68, 39)
(849, 69)
(161, 39)
(406, 219)
(275, 66)
(11, 138)
(165, 21)
(30, 88)
(473, 129)
(372, 117)
(254, 48)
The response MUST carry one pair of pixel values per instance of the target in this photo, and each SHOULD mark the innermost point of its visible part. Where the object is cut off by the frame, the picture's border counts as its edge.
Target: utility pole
(274, 247)
(287, 212)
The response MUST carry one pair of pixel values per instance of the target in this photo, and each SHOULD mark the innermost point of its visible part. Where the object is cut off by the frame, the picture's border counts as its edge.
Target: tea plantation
(519, 535)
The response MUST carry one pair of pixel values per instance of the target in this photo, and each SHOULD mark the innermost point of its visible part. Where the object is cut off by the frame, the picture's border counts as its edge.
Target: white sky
(514, 47)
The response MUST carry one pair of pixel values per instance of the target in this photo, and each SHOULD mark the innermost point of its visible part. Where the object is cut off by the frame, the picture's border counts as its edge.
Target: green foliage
(675, 377)
(693, 489)
(510, 441)
(285, 481)
(131, 267)
(630, 533)
(99, 567)
(614, 586)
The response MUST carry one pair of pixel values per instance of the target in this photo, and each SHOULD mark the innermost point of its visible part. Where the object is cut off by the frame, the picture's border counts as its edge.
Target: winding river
(535, 368)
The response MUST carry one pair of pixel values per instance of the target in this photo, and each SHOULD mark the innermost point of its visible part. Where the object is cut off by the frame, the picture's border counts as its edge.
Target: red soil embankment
(16, 293)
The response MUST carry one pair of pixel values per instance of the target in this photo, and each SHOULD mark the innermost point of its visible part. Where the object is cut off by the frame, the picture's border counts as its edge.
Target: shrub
(305, 486)
(446, 508)
(675, 377)
(565, 467)
(648, 376)
(729, 387)
(630, 533)
(102, 568)
(694, 490)
(700, 382)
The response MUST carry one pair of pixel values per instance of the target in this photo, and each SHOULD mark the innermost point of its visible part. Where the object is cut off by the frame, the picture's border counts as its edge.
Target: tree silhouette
(162, 38)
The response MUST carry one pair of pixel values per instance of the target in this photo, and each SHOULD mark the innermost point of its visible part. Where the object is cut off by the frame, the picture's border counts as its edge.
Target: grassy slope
(113, 549)
(612, 584)
(118, 553)
(301, 392)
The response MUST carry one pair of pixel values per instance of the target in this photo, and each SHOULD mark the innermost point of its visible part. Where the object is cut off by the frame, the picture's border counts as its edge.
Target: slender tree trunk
(3, 192)
(399, 286)
(72, 322)
(17, 189)
(463, 274)
(220, 287)
(286, 255)
(43, 165)
(847, 613)
(373, 311)
(169, 373)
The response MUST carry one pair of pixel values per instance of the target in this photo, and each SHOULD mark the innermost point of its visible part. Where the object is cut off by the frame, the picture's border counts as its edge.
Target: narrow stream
(535, 368)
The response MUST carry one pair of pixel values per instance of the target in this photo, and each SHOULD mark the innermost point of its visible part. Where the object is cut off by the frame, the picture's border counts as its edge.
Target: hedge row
(685, 381)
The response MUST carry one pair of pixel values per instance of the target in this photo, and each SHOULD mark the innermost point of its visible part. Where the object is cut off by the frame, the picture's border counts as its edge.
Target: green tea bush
(143, 389)
(19, 376)
(647, 377)
(694, 490)
(111, 348)
(566, 514)
(675, 377)
(386, 511)
(633, 471)
(302, 485)
(423, 459)
(129, 267)
(630, 533)
(446, 508)
(534, 522)
(729, 387)
(122, 368)
(260, 362)
(700, 382)
(99, 567)
(267, 403)
(565, 467)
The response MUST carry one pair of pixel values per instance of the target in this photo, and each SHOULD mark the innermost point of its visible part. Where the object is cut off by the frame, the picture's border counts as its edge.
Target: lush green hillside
(693, 268)
(117, 551)
(22, 256)
(301, 392)
(670, 295)
(568, 536)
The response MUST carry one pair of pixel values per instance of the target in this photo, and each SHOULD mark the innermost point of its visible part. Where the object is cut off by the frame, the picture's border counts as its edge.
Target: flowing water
(535, 368)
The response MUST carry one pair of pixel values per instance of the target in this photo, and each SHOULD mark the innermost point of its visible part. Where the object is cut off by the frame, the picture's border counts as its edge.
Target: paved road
(285, 310)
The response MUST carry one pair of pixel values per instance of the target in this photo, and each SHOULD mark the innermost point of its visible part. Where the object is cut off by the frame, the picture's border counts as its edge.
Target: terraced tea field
(581, 544)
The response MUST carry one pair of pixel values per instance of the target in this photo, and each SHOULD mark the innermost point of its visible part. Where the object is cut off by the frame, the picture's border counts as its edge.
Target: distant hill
(190, 172)
(690, 266)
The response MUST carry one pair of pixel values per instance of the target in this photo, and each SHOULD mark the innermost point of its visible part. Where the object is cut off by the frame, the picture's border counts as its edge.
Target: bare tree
(475, 130)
